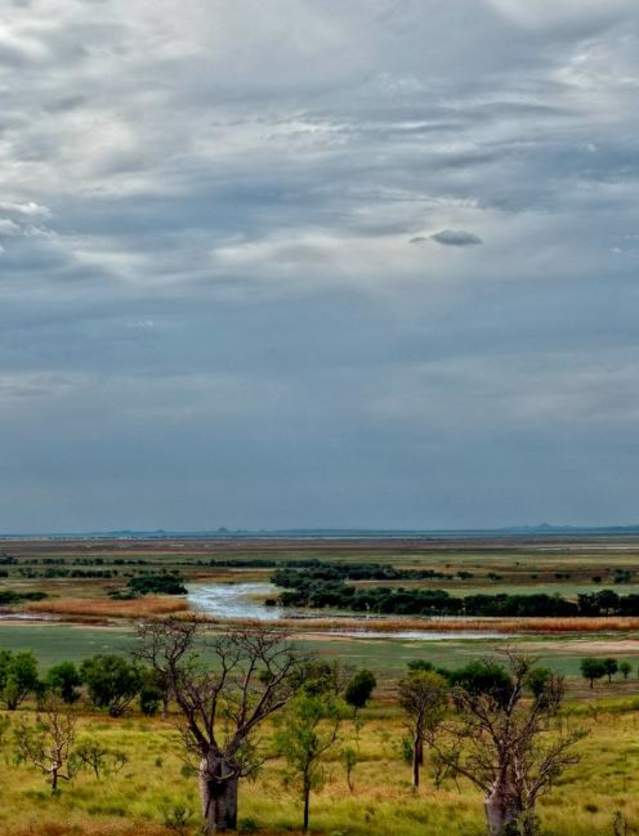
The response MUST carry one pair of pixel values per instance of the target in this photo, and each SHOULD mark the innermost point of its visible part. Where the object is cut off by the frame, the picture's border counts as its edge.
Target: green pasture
(386, 657)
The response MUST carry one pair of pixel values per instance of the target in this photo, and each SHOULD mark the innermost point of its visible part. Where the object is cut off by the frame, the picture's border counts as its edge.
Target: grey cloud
(456, 238)
(253, 196)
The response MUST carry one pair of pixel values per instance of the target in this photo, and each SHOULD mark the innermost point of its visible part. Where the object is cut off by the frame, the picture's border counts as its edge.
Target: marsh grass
(107, 608)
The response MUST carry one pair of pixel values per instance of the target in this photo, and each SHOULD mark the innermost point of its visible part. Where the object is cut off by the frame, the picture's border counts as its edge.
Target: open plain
(82, 610)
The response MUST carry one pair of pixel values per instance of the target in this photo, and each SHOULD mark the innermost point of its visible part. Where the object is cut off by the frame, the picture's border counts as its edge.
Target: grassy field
(139, 798)
(386, 657)
(77, 575)
(541, 565)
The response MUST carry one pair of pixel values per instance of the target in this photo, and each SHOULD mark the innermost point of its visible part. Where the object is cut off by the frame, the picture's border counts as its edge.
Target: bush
(18, 677)
(113, 682)
(170, 584)
(592, 669)
(359, 689)
(63, 679)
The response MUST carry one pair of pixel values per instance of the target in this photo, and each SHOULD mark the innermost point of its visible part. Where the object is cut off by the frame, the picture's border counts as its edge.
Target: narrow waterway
(236, 600)
(246, 601)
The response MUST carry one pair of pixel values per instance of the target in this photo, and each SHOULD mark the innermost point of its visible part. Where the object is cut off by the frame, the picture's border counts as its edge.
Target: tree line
(304, 590)
(490, 721)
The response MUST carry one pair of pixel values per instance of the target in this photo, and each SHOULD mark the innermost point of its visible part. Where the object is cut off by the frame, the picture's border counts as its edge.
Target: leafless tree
(222, 704)
(504, 744)
(47, 743)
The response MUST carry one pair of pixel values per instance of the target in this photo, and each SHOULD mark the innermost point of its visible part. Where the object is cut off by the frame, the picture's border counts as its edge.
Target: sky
(318, 264)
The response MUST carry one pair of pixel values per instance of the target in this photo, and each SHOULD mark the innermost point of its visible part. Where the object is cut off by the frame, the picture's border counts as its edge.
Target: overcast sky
(318, 263)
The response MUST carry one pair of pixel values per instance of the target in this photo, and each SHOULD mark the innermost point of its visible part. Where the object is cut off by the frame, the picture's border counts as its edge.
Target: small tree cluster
(593, 669)
(18, 677)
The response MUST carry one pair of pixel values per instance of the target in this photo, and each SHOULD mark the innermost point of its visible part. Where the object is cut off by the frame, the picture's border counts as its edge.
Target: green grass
(135, 800)
(386, 657)
(54, 642)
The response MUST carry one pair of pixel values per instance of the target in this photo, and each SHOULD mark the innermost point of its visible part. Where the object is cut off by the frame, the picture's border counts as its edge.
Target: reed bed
(158, 605)
(151, 605)
(494, 625)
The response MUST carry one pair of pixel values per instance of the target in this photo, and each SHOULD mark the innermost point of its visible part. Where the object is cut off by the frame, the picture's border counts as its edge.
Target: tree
(63, 680)
(308, 730)
(152, 694)
(222, 705)
(626, 669)
(157, 675)
(48, 742)
(92, 755)
(349, 761)
(113, 682)
(18, 677)
(611, 667)
(359, 689)
(538, 680)
(592, 669)
(483, 677)
(423, 696)
(320, 676)
(503, 746)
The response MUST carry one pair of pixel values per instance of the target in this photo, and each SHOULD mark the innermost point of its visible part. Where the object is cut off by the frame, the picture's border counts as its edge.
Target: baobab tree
(504, 744)
(221, 704)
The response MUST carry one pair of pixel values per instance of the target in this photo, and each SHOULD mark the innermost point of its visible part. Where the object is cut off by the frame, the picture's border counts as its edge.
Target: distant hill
(222, 533)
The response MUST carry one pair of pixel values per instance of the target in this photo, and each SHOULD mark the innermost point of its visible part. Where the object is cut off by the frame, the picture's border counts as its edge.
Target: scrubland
(600, 795)
(143, 796)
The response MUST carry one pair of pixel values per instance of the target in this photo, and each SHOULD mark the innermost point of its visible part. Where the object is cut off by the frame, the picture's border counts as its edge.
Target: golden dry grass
(158, 605)
(392, 625)
(107, 608)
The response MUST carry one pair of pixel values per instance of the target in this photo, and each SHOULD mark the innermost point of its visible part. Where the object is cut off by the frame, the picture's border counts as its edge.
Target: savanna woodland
(319, 409)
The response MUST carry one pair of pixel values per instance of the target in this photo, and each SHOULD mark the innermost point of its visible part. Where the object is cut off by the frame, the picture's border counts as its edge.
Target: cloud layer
(240, 266)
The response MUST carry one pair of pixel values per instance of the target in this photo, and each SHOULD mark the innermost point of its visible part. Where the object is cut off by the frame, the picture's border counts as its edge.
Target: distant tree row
(10, 596)
(316, 570)
(164, 583)
(305, 591)
(593, 669)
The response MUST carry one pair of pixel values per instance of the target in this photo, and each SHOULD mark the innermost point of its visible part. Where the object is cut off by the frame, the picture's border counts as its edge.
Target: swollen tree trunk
(219, 796)
(503, 810)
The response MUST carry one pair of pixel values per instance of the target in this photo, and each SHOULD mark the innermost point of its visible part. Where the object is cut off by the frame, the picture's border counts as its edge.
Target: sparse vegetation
(127, 773)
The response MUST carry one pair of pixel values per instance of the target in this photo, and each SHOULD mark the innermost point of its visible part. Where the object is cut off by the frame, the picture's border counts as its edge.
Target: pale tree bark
(221, 706)
(218, 792)
(503, 810)
(498, 742)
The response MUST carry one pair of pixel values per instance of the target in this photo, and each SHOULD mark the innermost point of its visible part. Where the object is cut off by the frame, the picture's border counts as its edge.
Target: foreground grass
(137, 800)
